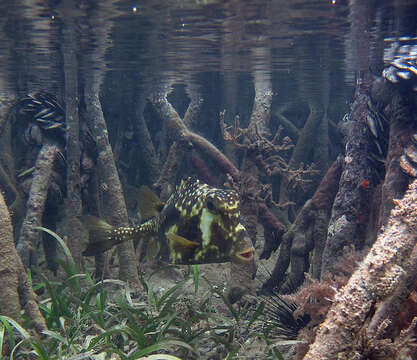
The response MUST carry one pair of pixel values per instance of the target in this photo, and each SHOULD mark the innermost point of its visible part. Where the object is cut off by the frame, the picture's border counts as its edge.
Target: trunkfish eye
(211, 206)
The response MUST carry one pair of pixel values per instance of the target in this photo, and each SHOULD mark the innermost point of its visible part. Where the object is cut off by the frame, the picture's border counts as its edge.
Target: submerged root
(16, 293)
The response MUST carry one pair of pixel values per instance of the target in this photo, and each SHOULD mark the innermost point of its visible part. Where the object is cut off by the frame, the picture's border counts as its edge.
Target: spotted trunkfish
(199, 224)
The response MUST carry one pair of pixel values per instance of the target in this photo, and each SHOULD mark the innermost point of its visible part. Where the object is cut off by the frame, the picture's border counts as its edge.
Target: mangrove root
(15, 291)
(379, 275)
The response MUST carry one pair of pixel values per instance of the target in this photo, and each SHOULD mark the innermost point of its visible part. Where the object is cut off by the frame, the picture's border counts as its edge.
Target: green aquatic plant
(85, 319)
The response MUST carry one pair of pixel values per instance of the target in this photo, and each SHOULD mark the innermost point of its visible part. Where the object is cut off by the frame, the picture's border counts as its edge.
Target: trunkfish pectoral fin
(180, 248)
(178, 242)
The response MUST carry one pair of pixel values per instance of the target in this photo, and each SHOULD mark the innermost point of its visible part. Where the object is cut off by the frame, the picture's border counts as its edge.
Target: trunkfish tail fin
(99, 235)
(102, 236)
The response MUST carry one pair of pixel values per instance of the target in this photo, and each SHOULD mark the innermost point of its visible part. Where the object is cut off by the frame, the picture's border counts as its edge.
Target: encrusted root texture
(16, 294)
(379, 275)
(29, 238)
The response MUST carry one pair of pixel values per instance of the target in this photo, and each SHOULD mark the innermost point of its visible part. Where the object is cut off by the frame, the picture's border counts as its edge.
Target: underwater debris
(198, 224)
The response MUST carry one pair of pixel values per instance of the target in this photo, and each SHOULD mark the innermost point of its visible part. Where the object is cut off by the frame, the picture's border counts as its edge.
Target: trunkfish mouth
(246, 255)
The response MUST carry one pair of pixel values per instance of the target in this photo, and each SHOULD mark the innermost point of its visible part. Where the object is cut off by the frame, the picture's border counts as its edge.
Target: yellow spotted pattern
(201, 208)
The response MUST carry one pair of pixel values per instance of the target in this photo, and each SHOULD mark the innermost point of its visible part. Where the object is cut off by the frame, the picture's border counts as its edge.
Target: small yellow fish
(199, 224)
